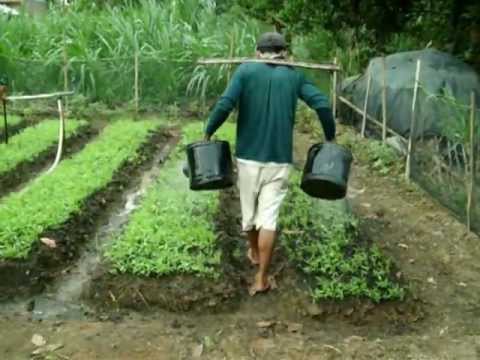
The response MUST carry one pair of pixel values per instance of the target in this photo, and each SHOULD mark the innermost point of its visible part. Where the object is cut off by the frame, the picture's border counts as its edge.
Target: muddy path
(434, 251)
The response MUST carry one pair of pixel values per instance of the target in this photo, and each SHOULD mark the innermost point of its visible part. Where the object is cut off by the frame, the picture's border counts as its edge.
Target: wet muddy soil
(30, 276)
(433, 250)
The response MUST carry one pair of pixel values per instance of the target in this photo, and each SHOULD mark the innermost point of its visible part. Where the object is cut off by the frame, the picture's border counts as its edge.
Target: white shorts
(263, 186)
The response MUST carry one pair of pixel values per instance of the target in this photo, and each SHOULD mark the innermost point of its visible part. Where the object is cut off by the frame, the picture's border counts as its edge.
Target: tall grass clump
(98, 47)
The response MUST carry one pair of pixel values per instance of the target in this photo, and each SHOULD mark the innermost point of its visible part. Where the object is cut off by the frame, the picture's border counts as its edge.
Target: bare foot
(253, 257)
(260, 285)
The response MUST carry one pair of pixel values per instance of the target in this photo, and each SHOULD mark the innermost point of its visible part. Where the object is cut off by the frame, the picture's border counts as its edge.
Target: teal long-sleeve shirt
(267, 96)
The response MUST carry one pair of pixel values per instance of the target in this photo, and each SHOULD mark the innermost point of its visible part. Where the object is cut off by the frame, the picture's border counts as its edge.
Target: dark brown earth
(431, 248)
(28, 277)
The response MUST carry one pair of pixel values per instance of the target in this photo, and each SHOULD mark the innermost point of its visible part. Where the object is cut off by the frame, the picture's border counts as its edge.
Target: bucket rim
(205, 143)
(340, 147)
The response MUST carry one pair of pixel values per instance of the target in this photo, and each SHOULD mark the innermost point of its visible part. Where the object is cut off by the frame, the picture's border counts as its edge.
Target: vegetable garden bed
(67, 205)
(170, 252)
(33, 149)
(15, 124)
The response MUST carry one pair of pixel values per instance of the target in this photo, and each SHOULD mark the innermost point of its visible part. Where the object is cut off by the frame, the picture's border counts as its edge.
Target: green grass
(49, 201)
(173, 230)
(321, 239)
(31, 142)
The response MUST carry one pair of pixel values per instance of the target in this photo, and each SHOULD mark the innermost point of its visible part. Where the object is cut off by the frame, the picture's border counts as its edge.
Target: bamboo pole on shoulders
(411, 139)
(365, 104)
(472, 167)
(328, 67)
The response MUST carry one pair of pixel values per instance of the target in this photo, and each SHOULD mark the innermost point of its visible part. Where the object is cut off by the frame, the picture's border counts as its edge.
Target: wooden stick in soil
(5, 123)
(65, 70)
(365, 104)
(471, 182)
(410, 149)
(328, 67)
(137, 70)
(384, 100)
(334, 90)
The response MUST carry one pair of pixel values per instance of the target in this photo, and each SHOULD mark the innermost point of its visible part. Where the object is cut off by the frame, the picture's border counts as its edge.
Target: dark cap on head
(271, 42)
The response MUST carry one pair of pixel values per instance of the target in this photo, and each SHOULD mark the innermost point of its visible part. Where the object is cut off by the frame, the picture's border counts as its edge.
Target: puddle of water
(62, 299)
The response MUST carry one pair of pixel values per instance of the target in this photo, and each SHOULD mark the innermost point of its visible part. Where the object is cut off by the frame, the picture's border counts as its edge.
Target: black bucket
(210, 165)
(326, 172)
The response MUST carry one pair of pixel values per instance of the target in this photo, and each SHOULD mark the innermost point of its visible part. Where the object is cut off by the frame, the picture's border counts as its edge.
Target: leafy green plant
(321, 238)
(50, 200)
(32, 141)
(173, 230)
(379, 156)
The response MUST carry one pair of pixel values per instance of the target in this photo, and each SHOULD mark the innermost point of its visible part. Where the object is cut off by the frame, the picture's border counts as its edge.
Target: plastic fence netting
(446, 164)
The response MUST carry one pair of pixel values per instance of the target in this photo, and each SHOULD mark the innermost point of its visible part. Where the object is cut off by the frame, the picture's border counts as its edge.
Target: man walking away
(266, 96)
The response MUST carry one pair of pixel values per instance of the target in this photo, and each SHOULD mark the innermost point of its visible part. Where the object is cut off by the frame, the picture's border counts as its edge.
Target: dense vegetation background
(93, 44)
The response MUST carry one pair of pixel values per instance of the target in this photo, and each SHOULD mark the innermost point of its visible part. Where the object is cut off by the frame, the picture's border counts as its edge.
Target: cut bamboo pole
(328, 67)
(334, 90)
(410, 148)
(471, 182)
(384, 100)
(40, 96)
(136, 82)
(365, 104)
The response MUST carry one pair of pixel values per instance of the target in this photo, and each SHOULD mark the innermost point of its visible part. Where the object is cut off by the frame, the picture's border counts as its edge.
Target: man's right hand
(207, 137)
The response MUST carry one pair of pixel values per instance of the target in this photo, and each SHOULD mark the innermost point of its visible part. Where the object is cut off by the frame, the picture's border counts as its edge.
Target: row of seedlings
(48, 203)
(321, 239)
(168, 254)
(31, 147)
(14, 123)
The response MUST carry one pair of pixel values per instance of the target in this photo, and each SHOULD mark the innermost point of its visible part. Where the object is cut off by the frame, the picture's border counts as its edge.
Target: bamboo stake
(328, 67)
(334, 90)
(384, 100)
(65, 70)
(408, 167)
(365, 106)
(231, 56)
(136, 86)
(471, 182)
(369, 117)
(5, 124)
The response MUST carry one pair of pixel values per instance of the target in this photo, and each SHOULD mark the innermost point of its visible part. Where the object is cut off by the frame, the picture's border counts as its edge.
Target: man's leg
(269, 203)
(247, 184)
(266, 241)
(253, 251)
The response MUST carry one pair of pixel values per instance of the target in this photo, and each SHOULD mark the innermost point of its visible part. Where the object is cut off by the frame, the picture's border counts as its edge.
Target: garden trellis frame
(470, 177)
